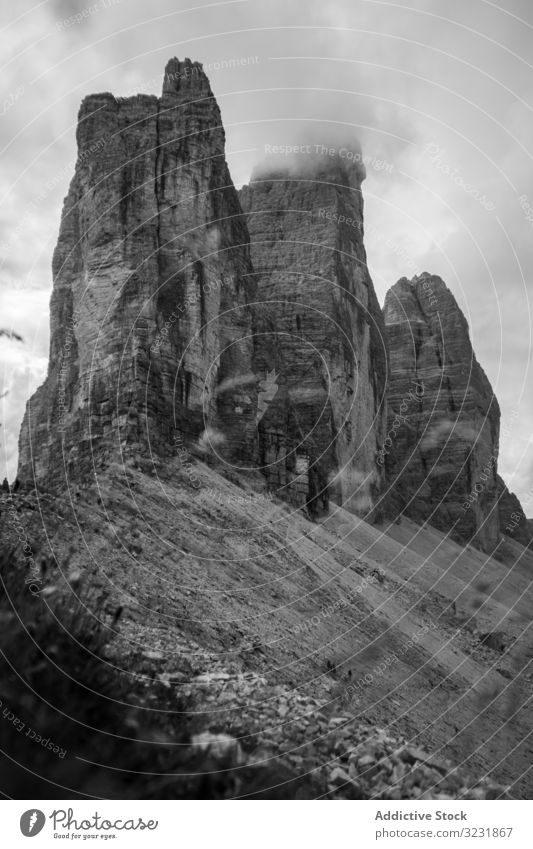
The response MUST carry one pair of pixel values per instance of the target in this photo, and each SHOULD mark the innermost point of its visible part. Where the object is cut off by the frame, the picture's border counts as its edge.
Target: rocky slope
(150, 328)
(321, 318)
(442, 444)
(333, 658)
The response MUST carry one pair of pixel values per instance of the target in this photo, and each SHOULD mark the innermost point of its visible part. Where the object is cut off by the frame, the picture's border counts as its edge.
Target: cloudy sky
(439, 90)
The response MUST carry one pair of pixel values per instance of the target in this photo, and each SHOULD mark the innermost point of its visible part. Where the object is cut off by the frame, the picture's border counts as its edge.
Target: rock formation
(321, 319)
(441, 449)
(150, 324)
(162, 330)
(512, 518)
(181, 318)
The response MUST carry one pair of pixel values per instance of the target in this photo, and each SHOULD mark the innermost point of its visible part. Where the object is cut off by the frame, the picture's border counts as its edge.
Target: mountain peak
(183, 75)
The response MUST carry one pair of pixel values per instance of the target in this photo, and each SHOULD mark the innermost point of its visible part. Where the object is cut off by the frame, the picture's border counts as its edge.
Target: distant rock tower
(441, 448)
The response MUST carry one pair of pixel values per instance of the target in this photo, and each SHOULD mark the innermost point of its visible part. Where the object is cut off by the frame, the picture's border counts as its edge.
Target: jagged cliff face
(322, 326)
(152, 278)
(161, 328)
(176, 314)
(513, 521)
(441, 449)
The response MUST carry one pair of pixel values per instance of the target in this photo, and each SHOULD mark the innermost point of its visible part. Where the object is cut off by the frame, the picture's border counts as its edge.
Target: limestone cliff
(325, 421)
(150, 324)
(441, 448)
(512, 518)
(180, 317)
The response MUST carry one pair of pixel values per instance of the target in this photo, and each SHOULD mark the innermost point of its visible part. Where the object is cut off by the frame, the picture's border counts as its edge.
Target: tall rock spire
(442, 443)
(152, 278)
(322, 430)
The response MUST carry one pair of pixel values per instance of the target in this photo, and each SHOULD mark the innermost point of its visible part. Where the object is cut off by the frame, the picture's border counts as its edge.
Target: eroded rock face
(513, 521)
(320, 318)
(441, 449)
(150, 324)
(164, 333)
